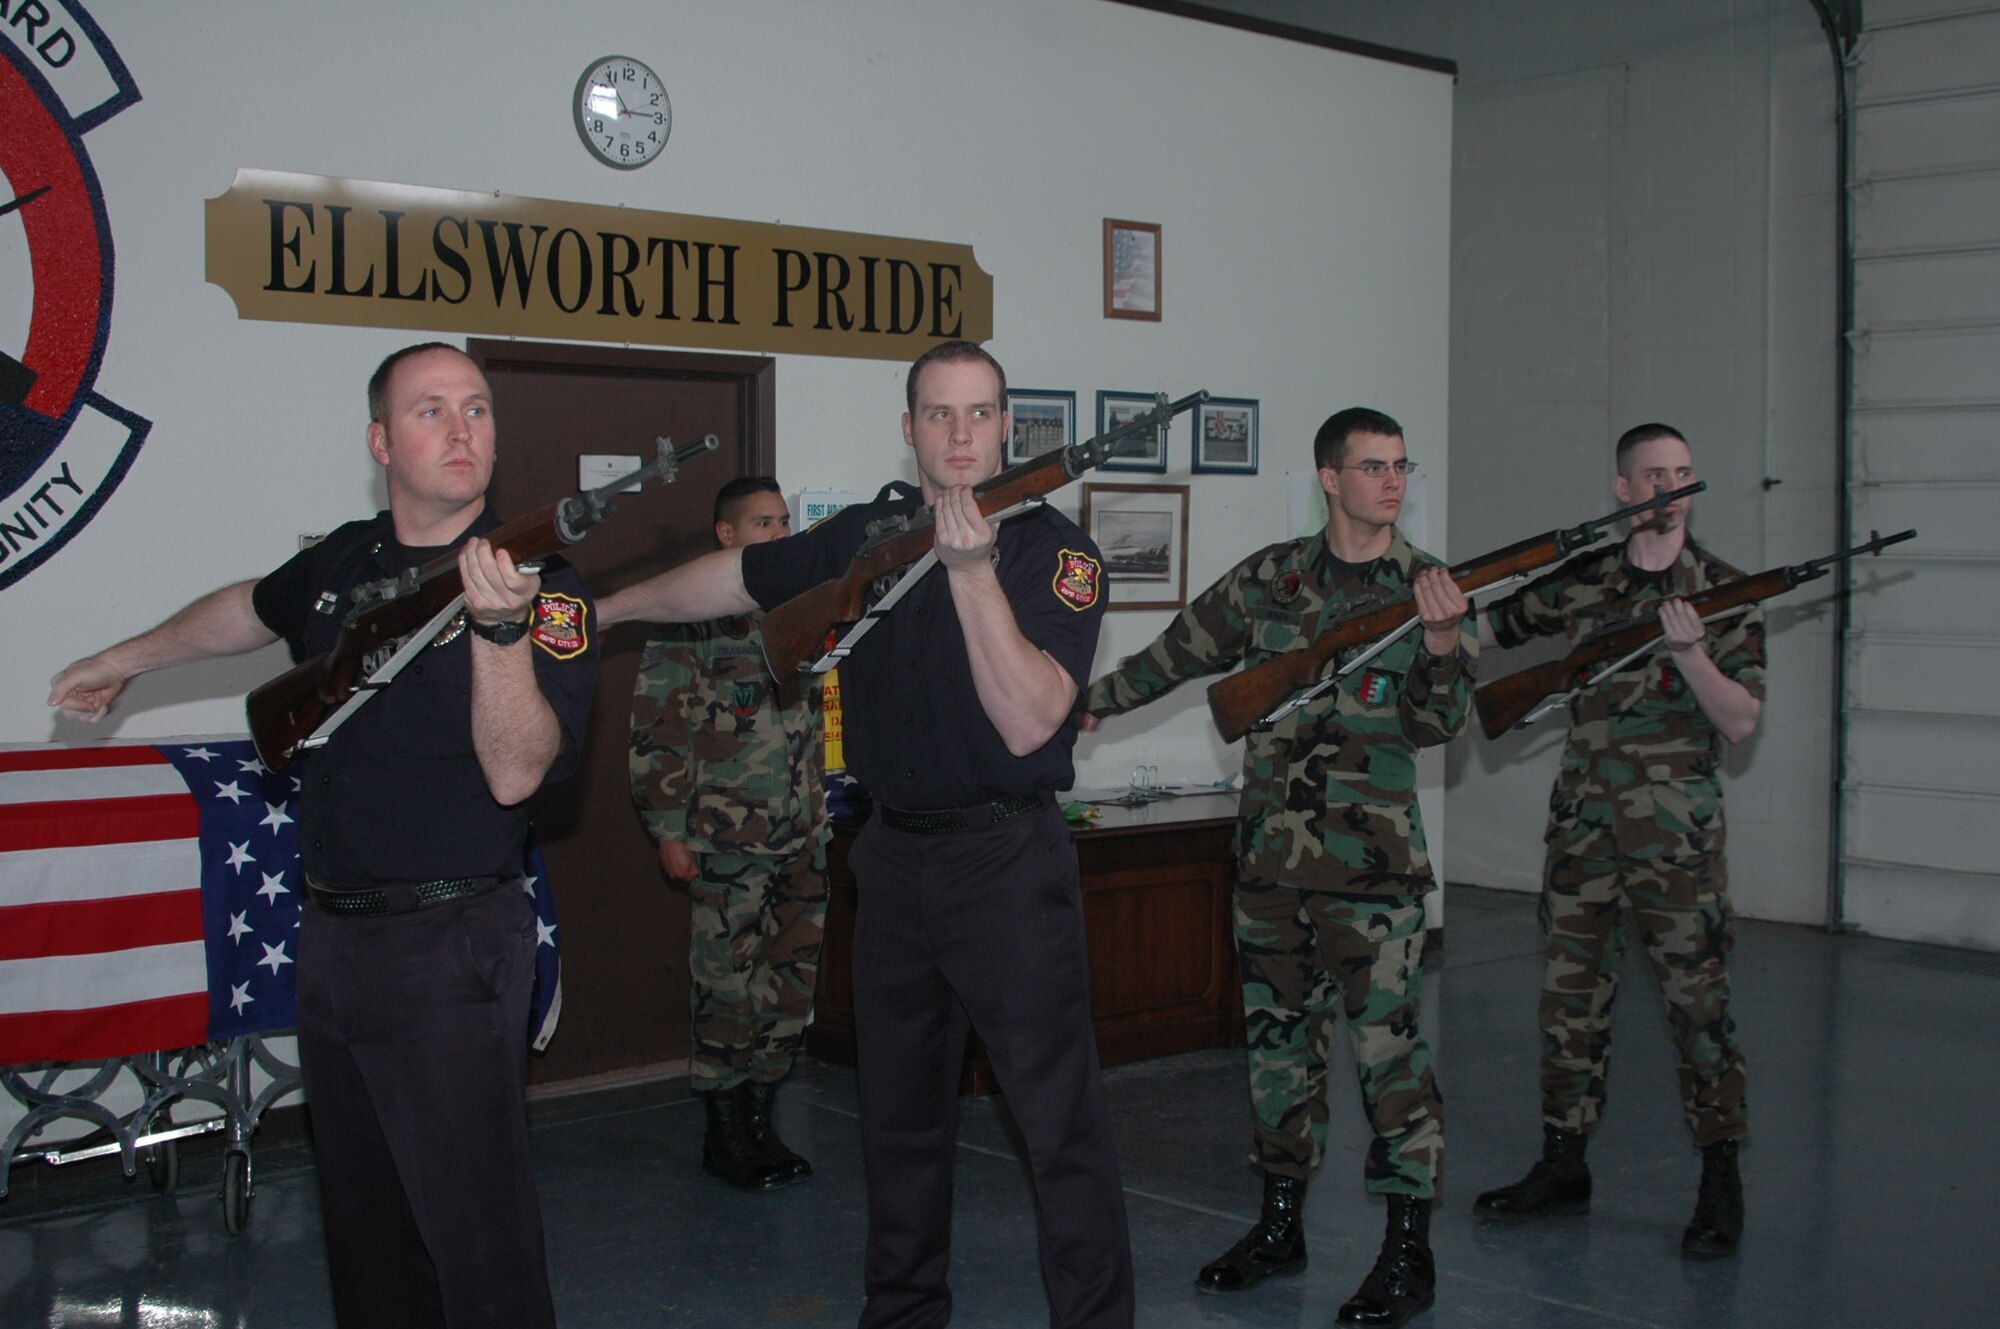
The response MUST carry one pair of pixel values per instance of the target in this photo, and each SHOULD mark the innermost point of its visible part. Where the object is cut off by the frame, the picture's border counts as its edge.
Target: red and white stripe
(101, 948)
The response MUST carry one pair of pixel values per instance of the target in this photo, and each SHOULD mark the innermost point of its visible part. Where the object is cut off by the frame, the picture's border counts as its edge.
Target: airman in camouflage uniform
(1635, 820)
(1332, 865)
(728, 776)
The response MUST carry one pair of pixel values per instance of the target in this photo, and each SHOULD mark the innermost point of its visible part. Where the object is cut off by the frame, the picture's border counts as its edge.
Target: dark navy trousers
(981, 930)
(413, 1044)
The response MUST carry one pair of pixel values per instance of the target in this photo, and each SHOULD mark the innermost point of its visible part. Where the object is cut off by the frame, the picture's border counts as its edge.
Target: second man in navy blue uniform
(959, 705)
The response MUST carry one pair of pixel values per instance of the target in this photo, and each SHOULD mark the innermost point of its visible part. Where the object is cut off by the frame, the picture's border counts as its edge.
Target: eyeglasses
(1375, 470)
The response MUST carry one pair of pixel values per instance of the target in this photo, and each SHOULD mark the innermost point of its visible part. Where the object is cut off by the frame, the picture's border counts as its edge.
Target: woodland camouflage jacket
(1330, 792)
(720, 757)
(1638, 777)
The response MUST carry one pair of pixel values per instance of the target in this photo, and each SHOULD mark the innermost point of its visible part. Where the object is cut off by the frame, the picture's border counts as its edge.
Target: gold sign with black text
(319, 249)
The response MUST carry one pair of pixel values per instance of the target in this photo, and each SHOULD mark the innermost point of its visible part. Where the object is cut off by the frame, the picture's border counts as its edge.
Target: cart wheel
(163, 1166)
(236, 1191)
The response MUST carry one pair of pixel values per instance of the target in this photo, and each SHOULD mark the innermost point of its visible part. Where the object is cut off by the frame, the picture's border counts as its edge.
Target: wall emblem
(63, 446)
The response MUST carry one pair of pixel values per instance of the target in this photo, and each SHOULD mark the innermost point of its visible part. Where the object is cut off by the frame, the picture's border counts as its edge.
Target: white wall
(1643, 229)
(1303, 194)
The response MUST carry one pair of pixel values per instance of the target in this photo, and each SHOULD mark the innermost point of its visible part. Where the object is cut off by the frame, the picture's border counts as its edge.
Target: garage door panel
(1928, 57)
(1936, 287)
(1929, 672)
(1938, 210)
(1902, 595)
(1923, 826)
(1911, 748)
(1928, 445)
(1944, 515)
(1927, 367)
(1926, 135)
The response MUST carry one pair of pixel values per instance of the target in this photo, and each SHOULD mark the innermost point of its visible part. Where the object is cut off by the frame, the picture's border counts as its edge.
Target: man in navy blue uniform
(417, 943)
(958, 706)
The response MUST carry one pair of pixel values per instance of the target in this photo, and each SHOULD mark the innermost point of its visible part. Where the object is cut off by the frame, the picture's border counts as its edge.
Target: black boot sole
(1707, 1250)
(1292, 1270)
(1553, 1209)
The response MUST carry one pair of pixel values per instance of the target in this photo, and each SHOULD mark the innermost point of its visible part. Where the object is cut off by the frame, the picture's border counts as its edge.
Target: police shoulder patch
(561, 626)
(1079, 579)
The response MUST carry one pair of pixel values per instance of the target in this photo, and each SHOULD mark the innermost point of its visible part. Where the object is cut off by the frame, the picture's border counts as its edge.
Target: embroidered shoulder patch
(1078, 578)
(560, 627)
(1375, 688)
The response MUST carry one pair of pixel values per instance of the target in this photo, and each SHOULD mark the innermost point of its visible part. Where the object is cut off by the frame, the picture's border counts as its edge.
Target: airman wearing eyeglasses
(1331, 862)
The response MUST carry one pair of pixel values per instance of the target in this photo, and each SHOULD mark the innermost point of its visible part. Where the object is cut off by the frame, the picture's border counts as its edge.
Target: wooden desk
(1156, 900)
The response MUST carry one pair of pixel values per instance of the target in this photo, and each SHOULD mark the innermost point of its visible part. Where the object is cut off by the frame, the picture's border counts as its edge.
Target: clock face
(622, 112)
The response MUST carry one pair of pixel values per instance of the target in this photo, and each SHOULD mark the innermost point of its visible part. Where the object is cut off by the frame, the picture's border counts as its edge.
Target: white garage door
(1922, 779)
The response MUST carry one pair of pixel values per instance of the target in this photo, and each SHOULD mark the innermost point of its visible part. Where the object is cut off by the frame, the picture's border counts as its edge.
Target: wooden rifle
(1268, 691)
(1521, 699)
(301, 707)
(795, 632)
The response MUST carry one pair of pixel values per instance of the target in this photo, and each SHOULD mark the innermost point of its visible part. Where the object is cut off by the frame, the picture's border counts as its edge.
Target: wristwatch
(502, 634)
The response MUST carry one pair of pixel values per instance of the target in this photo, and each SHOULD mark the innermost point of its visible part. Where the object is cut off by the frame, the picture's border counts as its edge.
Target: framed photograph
(1142, 531)
(1114, 409)
(1039, 423)
(1131, 270)
(1225, 436)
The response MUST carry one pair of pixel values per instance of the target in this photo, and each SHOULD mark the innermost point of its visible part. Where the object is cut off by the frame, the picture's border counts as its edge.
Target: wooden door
(624, 932)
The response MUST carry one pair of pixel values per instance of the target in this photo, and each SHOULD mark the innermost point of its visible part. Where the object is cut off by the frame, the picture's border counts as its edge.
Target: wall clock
(622, 113)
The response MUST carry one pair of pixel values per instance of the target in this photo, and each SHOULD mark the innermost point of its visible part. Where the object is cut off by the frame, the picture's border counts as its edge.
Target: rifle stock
(1239, 702)
(1504, 703)
(289, 709)
(795, 631)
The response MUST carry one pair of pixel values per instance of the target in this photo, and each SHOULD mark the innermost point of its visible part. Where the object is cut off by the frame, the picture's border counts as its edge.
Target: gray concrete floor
(1870, 1179)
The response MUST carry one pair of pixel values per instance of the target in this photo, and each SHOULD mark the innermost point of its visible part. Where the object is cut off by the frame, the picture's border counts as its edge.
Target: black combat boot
(1275, 1244)
(1559, 1183)
(757, 1103)
(1404, 1279)
(727, 1151)
(1718, 1213)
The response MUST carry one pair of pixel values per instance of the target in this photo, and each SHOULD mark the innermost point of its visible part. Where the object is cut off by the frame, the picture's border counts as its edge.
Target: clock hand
(23, 201)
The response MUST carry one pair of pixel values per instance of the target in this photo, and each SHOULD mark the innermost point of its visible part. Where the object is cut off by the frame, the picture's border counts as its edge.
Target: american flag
(149, 899)
(1132, 270)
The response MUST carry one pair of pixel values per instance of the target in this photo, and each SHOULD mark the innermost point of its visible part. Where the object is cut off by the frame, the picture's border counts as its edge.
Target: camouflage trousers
(1307, 957)
(753, 958)
(1681, 907)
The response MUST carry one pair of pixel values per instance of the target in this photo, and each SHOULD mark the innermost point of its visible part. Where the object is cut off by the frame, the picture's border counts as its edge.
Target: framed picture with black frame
(1142, 532)
(1114, 409)
(1225, 436)
(1039, 422)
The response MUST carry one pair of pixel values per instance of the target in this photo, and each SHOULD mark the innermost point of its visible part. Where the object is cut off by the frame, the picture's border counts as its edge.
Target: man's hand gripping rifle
(795, 631)
(301, 707)
(1267, 692)
(1523, 698)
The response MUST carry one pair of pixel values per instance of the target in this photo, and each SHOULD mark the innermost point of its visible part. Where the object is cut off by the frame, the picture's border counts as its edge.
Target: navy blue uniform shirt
(396, 793)
(916, 735)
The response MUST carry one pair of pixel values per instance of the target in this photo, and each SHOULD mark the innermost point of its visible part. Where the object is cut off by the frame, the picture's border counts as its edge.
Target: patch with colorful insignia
(1669, 680)
(561, 628)
(1376, 688)
(1287, 589)
(1078, 579)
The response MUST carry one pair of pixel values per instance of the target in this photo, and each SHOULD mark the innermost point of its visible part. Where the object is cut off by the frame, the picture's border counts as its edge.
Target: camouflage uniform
(1636, 818)
(720, 761)
(1331, 862)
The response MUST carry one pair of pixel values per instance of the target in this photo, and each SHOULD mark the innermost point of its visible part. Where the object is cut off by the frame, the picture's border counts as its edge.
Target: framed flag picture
(1131, 270)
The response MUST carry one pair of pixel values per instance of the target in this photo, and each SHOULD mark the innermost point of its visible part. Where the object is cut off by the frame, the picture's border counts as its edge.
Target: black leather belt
(397, 897)
(946, 821)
